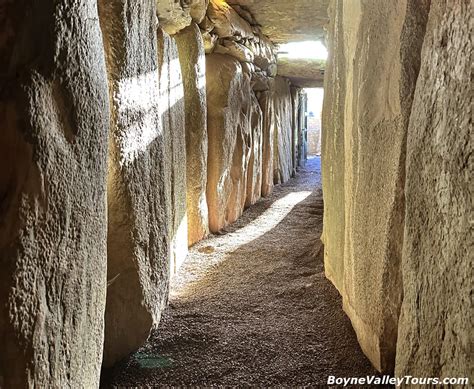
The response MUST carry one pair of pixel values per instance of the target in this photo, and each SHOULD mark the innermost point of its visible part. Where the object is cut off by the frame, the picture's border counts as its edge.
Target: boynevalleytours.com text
(398, 381)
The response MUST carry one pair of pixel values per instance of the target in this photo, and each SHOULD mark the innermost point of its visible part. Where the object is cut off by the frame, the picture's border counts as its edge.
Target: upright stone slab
(193, 68)
(268, 134)
(254, 170)
(138, 238)
(302, 134)
(53, 145)
(379, 90)
(436, 322)
(294, 128)
(172, 111)
(332, 155)
(282, 147)
(228, 113)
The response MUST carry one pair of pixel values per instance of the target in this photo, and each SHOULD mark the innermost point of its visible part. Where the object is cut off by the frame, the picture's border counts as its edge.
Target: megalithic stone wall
(193, 68)
(138, 224)
(54, 112)
(333, 151)
(96, 169)
(436, 322)
(378, 90)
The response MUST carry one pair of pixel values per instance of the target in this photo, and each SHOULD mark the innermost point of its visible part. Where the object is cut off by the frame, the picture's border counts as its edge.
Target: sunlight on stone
(138, 95)
(171, 86)
(306, 49)
(140, 98)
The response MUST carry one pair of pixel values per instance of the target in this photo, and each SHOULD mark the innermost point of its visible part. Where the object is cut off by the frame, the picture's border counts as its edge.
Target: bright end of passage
(306, 49)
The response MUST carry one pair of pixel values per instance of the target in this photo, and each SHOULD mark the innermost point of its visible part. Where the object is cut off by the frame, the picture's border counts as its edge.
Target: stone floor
(251, 307)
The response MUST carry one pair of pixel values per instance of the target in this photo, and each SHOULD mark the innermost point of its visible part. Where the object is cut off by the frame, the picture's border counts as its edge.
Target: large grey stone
(380, 71)
(285, 21)
(198, 9)
(282, 146)
(172, 108)
(193, 68)
(436, 322)
(229, 115)
(236, 50)
(254, 170)
(304, 73)
(332, 155)
(138, 232)
(294, 126)
(265, 99)
(174, 15)
(264, 51)
(227, 22)
(53, 144)
(302, 130)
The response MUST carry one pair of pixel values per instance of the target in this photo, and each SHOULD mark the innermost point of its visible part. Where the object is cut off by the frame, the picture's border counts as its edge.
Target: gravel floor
(251, 307)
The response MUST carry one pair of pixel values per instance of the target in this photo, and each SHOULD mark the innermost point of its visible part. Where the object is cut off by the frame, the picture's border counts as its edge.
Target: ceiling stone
(305, 73)
(289, 20)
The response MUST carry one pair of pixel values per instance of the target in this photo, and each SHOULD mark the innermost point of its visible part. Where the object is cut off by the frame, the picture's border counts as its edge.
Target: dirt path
(252, 306)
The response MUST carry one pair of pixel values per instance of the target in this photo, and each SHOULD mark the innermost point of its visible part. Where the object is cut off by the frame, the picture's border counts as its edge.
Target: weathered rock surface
(378, 93)
(138, 243)
(53, 144)
(265, 100)
(264, 51)
(302, 129)
(254, 170)
(172, 109)
(210, 41)
(198, 9)
(436, 322)
(260, 81)
(294, 126)
(229, 116)
(245, 14)
(304, 73)
(193, 68)
(174, 15)
(285, 21)
(236, 50)
(332, 153)
(206, 24)
(282, 147)
(227, 22)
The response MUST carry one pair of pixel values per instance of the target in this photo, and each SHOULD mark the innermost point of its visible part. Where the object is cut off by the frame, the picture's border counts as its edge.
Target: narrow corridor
(252, 306)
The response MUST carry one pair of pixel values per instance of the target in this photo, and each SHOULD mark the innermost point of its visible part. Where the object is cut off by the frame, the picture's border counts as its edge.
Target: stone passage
(132, 130)
(252, 306)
